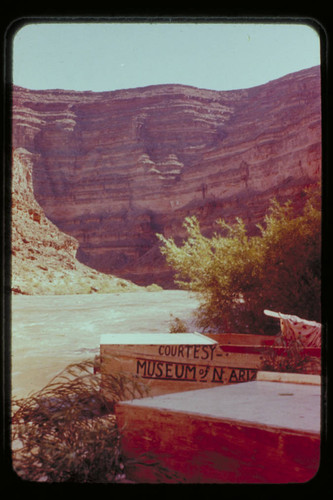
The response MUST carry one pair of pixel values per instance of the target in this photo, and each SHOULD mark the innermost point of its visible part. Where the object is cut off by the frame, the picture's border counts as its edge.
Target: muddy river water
(49, 332)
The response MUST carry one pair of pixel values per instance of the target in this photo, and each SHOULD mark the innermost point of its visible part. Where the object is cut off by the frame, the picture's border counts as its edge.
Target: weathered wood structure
(173, 362)
(213, 415)
(169, 363)
(262, 431)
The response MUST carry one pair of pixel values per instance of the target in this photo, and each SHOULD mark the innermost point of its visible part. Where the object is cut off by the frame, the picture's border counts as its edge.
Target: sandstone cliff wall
(113, 168)
(43, 257)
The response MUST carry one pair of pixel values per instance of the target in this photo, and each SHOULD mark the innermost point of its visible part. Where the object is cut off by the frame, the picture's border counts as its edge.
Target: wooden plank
(243, 339)
(173, 368)
(293, 378)
(259, 432)
(213, 451)
(259, 349)
(182, 362)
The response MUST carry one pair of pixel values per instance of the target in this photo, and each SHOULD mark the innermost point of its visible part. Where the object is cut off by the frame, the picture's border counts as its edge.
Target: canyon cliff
(43, 257)
(112, 169)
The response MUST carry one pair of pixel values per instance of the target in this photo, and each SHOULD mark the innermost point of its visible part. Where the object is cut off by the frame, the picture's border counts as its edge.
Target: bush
(290, 357)
(66, 432)
(154, 288)
(177, 325)
(237, 276)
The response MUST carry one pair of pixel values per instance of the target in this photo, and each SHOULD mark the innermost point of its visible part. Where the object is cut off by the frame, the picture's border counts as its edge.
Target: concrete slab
(276, 404)
(147, 338)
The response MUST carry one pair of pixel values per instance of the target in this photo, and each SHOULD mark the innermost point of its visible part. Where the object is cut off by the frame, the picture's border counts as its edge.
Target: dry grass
(177, 325)
(66, 432)
(292, 358)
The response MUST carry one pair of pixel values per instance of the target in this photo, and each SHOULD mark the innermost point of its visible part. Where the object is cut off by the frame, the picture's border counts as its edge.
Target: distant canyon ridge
(111, 169)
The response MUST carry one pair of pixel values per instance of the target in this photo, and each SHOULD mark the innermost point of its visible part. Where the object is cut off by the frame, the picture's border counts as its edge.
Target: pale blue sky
(110, 56)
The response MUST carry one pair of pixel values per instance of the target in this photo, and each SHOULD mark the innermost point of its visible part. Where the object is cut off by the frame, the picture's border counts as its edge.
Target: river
(49, 332)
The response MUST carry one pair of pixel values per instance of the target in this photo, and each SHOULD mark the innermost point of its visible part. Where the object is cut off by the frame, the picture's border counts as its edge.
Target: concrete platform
(254, 432)
(144, 338)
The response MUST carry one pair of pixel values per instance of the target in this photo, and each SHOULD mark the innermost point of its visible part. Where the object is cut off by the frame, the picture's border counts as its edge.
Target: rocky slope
(44, 258)
(114, 168)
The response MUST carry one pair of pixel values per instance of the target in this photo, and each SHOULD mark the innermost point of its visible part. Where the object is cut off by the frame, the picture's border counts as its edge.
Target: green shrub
(237, 276)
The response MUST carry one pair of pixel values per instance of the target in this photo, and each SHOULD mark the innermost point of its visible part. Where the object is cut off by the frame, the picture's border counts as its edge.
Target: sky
(110, 56)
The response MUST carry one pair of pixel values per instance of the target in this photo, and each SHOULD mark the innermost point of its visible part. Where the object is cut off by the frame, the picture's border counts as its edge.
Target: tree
(237, 276)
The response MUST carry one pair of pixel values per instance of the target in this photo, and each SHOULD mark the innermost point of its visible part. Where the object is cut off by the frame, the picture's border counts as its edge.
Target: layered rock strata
(114, 168)
(43, 258)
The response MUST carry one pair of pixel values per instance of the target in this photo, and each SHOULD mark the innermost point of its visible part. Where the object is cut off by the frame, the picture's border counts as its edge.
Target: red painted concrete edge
(216, 450)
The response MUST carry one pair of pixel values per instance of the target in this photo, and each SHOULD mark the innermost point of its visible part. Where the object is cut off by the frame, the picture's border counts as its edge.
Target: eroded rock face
(43, 260)
(114, 168)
